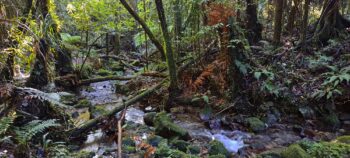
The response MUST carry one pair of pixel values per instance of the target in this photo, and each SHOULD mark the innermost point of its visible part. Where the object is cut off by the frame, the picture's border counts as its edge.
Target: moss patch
(295, 151)
(167, 129)
(329, 149)
(216, 147)
(83, 103)
(103, 72)
(344, 139)
(255, 124)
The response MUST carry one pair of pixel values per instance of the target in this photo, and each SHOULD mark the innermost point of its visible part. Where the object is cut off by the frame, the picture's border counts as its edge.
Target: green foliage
(331, 85)
(26, 133)
(295, 151)
(5, 124)
(54, 149)
(268, 81)
(329, 150)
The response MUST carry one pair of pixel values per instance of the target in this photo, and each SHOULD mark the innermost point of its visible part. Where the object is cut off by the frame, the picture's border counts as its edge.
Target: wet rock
(295, 151)
(307, 112)
(271, 119)
(255, 124)
(179, 145)
(149, 118)
(166, 128)
(194, 150)
(216, 147)
(230, 144)
(83, 103)
(344, 139)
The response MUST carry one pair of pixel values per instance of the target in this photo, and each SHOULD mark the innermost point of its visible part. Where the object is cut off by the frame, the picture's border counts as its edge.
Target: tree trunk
(330, 22)
(145, 27)
(292, 15)
(169, 50)
(305, 21)
(253, 26)
(39, 76)
(178, 25)
(278, 21)
(7, 72)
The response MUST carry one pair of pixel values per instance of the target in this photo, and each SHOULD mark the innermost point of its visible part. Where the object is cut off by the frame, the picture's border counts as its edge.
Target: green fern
(26, 133)
(5, 124)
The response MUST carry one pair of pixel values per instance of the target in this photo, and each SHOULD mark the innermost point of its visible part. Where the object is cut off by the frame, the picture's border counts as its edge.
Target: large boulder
(166, 128)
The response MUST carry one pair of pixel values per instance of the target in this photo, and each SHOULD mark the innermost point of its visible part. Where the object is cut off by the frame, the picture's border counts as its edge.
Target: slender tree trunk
(278, 21)
(169, 50)
(178, 25)
(253, 26)
(292, 15)
(145, 27)
(305, 21)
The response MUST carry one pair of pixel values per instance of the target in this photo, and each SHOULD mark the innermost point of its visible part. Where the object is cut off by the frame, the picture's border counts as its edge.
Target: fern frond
(5, 123)
(26, 133)
(34, 93)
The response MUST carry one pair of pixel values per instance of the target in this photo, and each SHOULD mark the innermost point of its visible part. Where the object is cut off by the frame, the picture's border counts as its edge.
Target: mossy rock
(255, 124)
(83, 103)
(149, 118)
(330, 149)
(216, 147)
(104, 72)
(274, 153)
(344, 139)
(97, 111)
(69, 99)
(217, 156)
(117, 67)
(156, 140)
(192, 149)
(179, 145)
(129, 149)
(166, 128)
(295, 151)
(86, 72)
(128, 142)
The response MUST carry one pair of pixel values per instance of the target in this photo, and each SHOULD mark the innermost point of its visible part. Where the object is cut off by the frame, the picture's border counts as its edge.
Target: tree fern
(26, 133)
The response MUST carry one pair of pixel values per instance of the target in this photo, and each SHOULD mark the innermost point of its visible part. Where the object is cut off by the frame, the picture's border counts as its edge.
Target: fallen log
(92, 123)
(101, 79)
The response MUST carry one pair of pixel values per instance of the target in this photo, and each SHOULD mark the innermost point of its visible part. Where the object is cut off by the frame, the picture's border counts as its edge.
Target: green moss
(255, 124)
(83, 103)
(129, 149)
(192, 149)
(97, 111)
(344, 139)
(329, 149)
(295, 151)
(117, 67)
(155, 140)
(217, 156)
(86, 72)
(167, 129)
(179, 145)
(216, 147)
(103, 72)
(274, 153)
